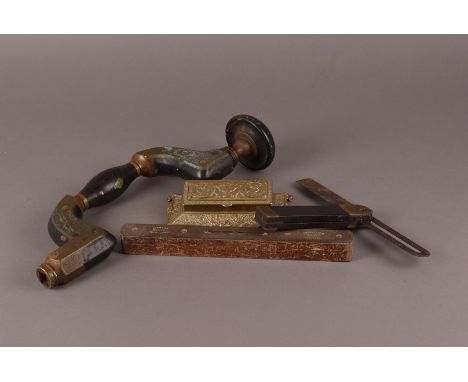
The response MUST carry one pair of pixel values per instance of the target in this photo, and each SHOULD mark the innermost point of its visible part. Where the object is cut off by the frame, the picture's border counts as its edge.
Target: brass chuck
(47, 276)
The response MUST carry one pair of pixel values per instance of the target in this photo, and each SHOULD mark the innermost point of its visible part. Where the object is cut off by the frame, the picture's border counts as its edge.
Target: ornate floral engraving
(234, 191)
(219, 218)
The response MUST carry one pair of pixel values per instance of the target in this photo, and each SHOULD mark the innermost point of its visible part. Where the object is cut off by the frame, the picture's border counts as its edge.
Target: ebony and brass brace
(82, 245)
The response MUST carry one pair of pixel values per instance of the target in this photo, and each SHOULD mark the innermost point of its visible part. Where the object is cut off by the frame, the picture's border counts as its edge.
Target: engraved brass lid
(223, 203)
(227, 192)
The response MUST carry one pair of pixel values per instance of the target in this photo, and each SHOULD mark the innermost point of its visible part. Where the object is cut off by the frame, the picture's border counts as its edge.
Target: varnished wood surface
(199, 241)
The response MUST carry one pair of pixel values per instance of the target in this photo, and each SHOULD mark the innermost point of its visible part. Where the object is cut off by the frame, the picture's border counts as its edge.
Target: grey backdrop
(383, 120)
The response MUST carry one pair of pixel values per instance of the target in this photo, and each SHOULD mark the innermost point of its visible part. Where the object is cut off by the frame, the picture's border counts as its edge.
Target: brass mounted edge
(223, 203)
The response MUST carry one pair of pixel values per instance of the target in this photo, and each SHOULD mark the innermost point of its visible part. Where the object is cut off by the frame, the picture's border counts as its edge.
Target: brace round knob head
(251, 140)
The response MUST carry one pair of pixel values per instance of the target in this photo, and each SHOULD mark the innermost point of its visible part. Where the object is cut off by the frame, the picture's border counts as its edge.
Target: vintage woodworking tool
(82, 245)
(236, 242)
(337, 214)
(227, 202)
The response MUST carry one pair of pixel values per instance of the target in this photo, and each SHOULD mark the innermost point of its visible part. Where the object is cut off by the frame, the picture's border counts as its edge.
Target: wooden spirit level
(236, 242)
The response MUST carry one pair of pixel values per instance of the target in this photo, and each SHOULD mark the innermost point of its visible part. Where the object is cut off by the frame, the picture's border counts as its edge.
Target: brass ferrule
(137, 167)
(47, 276)
(82, 202)
(144, 164)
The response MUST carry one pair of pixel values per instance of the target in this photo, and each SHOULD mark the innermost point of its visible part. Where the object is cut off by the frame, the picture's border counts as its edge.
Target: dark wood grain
(109, 184)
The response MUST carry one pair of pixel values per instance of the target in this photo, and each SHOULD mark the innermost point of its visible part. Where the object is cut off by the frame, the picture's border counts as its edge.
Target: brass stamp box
(222, 203)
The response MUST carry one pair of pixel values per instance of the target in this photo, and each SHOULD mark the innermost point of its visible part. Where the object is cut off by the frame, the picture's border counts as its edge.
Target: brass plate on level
(222, 203)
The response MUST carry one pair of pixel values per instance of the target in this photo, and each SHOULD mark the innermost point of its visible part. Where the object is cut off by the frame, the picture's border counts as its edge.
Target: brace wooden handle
(108, 185)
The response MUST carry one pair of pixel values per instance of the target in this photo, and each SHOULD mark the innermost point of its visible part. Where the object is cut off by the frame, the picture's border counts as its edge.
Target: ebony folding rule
(338, 213)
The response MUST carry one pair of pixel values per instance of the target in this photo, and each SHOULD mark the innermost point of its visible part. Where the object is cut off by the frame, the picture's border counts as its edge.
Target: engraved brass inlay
(118, 183)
